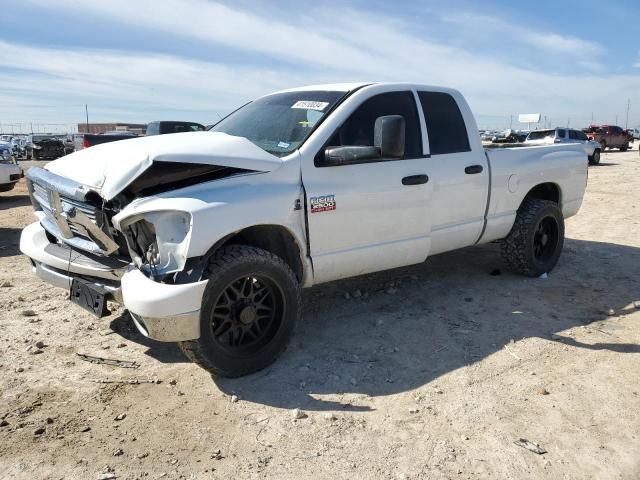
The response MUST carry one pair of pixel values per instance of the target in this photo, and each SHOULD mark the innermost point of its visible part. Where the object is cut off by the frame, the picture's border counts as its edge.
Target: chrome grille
(41, 196)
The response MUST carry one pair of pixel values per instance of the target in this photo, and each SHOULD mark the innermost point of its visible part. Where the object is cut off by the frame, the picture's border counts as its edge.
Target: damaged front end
(95, 248)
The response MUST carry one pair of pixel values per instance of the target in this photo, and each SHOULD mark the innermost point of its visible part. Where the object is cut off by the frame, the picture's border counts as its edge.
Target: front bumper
(163, 312)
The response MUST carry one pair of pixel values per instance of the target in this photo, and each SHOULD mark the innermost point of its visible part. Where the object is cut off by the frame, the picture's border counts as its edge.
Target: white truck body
(339, 221)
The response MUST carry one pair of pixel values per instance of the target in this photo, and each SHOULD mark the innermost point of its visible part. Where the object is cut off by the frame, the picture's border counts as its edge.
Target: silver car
(566, 135)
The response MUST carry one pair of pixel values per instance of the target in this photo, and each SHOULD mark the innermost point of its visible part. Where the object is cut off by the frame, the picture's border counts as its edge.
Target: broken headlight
(158, 241)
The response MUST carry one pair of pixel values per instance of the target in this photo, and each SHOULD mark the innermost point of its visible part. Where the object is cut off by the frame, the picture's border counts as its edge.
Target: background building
(138, 128)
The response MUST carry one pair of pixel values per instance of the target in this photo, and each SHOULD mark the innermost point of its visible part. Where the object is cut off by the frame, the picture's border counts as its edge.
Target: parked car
(634, 133)
(86, 140)
(47, 147)
(566, 135)
(10, 171)
(22, 148)
(608, 136)
(163, 127)
(509, 136)
(6, 151)
(208, 237)
(67, 142)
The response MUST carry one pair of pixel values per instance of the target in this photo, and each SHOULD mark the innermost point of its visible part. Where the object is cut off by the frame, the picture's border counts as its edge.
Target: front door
(363, 217)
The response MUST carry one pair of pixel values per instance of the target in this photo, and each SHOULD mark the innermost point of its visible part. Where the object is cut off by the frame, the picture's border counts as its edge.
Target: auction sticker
(325, 203)
(310, 105)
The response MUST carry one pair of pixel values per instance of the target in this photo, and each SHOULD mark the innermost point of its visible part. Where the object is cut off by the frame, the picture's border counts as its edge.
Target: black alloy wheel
(247, 314)
(535, 241)
(249, 310)
(545, 240)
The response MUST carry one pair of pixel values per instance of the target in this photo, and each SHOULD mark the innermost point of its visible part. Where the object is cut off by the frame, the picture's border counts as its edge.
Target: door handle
(471, 169)
(415, 180)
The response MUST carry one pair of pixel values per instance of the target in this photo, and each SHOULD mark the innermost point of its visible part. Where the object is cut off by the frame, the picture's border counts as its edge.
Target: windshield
(279, 123)
(540, 134)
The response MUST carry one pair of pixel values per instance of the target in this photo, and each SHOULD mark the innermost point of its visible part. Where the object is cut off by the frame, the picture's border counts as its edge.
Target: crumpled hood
(109, 167)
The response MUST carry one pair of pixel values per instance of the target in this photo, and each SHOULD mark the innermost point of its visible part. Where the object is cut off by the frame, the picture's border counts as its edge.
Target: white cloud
(550, 42)
(137, 82)
(314, 47)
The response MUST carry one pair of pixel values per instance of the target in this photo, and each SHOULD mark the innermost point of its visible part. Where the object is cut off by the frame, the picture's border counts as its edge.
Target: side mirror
(389, 136)
(388, 142)
(336, 156)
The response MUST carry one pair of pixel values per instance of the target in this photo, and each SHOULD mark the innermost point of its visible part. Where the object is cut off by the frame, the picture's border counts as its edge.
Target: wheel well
(545, 191)
(273, 238)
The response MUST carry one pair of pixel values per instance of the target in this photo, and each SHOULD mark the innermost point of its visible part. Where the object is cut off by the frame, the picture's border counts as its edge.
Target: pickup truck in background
(86, 140)
(208, 237)
(164, 127)
(609, 136)
(566, 135)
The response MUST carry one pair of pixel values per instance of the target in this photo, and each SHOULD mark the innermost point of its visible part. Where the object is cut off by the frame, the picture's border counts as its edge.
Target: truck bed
(517, 168)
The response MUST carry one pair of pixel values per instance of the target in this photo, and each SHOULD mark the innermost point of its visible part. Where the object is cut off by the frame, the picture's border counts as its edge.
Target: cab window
(358, 130)
(445, 125)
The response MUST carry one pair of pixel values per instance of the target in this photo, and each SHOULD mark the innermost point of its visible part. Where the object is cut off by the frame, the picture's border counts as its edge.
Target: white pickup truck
(208, 237)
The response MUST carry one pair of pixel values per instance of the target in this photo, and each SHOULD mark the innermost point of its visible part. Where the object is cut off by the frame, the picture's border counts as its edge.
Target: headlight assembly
(158, 241)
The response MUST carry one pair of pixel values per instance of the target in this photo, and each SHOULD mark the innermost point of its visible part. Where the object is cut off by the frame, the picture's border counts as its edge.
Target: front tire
(595, 158)
(249, 310)
(535, 242)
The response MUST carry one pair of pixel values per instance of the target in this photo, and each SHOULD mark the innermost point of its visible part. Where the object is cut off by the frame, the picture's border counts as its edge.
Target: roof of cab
(328, 87)
(348, 87)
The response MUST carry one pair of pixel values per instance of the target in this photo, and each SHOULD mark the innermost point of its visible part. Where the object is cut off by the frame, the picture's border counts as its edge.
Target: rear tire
(249, 310)
(535, 242)
(624, 149)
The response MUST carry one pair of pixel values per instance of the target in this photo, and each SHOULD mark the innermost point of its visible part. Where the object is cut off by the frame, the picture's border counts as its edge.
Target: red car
(609, 136)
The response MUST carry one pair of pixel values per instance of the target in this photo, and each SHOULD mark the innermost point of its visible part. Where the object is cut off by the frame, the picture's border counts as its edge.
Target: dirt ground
(432, 371)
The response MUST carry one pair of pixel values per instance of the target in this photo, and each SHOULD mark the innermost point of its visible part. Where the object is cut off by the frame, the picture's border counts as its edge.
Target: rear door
(373, 215)
(459, 175)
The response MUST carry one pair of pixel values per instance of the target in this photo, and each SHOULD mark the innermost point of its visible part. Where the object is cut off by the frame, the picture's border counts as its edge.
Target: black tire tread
(513, 247)
(225, 258)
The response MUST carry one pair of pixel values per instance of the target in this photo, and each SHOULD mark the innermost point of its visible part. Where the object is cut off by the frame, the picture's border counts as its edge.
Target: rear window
(153, 129)
(445, 125)
(577, 135)
(541, 134)
(181, 127)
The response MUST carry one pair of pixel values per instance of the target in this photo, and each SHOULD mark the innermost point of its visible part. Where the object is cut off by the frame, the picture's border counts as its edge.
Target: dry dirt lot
(430, 372)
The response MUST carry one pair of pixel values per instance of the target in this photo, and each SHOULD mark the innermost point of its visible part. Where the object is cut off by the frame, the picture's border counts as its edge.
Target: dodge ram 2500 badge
(208, 237)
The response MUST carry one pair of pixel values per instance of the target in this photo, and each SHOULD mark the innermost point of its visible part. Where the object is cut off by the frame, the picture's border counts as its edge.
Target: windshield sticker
(325, 203)
(310, 105)
(283, 145)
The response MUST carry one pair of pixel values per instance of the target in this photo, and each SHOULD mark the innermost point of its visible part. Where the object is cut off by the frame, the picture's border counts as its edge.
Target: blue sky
(142, 60)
